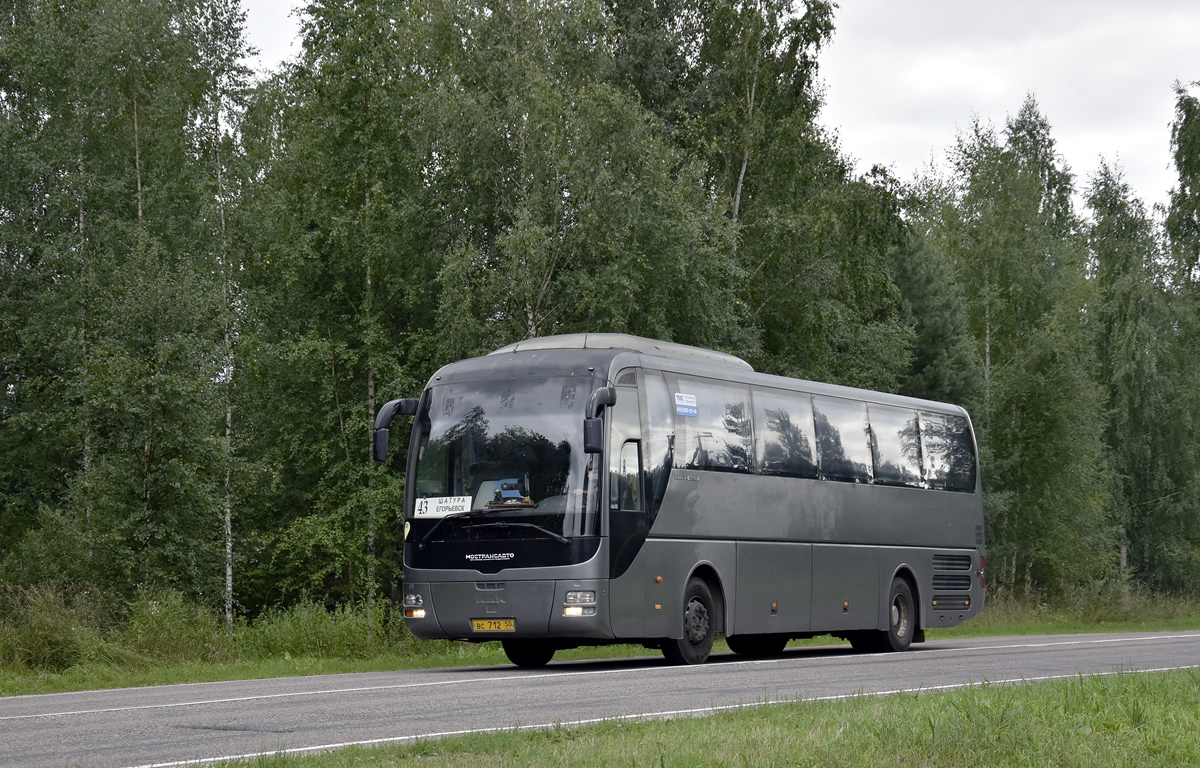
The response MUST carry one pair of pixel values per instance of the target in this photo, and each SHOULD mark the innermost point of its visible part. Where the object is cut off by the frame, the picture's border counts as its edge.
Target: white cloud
(274, 29)
(902, 79)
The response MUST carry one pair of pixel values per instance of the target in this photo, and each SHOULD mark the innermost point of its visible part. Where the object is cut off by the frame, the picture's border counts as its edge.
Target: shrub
(166, 626)
(309, 629)
(53, 627)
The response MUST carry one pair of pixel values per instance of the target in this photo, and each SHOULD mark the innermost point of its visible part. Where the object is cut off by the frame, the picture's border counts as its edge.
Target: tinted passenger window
(949, 452)
(660, 437)
(712, 422)
(784, 433)
(625, 480)
(841, 431)
(896, 445)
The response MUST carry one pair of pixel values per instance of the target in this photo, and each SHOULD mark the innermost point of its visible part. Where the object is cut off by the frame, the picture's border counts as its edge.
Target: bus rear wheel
(902, 623)
(529, 653)
(698, 627)
(902, 618)
(757, 645)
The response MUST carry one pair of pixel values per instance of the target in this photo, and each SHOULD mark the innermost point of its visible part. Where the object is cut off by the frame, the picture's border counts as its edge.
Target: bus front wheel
(529, 653)
(698, 627)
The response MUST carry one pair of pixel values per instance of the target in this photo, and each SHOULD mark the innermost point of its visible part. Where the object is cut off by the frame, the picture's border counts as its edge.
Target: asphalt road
(173, 725)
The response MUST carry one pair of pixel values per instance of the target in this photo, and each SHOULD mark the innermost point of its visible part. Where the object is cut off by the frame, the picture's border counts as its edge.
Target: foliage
(1005, 222)
(63, 638)
(1145, 354)
(208, 284)
(112, 307)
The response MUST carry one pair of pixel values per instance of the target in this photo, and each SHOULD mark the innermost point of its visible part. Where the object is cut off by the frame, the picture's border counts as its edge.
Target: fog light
(579, 610)
(414, 613)
(586, 597)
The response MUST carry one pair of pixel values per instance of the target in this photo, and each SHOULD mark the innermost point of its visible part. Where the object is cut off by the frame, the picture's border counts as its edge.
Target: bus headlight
(580, 603)
(414, 606)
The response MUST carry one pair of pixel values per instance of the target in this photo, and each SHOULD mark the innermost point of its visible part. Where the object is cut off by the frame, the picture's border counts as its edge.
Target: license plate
(494, 625)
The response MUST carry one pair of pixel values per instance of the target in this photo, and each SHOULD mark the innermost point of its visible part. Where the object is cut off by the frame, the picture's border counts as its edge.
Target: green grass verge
(1119, 720)
(19, 680)
(50, 644)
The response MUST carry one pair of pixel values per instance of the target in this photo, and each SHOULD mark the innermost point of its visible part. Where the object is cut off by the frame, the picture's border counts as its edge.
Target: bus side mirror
(381, 445)
(593, 426)
(602, 398)
(593, 435)
(402, 407)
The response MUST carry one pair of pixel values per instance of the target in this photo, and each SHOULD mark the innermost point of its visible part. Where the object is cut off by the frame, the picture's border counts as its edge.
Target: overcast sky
(903, 79)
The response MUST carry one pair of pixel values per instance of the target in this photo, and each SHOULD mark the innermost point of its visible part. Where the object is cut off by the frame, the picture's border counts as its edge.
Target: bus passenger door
(627, 527)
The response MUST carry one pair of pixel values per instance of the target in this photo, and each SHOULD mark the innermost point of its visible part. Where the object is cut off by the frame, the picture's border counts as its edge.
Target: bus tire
(698, 627)
(902, 624)
(529, 653)
(757, 645)
(902, 618)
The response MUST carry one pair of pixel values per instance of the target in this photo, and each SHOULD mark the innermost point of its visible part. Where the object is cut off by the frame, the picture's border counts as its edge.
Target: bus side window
(624, 463)
(949, 452)
(896, 445)
(784, 433)
(713, 425)
(841, 427)
(659, 439)
(626, 479)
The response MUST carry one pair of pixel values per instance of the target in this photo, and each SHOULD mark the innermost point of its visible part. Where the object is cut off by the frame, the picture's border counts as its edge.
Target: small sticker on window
(566, 400)
(685, 405)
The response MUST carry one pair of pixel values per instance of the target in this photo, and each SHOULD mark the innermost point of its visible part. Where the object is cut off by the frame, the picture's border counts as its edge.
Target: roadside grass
(1148, 719)
(1083, 611)
(55, 640)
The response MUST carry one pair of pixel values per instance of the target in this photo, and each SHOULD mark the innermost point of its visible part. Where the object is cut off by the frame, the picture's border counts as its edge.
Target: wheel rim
(695, 621)
(900, 616)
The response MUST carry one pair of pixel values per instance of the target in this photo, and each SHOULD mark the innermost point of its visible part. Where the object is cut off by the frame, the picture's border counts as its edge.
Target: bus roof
(623, 341)
(686, 356)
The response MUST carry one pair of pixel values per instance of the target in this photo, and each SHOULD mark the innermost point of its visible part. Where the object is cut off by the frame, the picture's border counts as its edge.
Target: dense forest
(209, 281)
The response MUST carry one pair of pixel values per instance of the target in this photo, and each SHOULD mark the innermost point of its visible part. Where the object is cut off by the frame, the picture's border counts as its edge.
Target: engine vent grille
(952, 582)
(952, 562)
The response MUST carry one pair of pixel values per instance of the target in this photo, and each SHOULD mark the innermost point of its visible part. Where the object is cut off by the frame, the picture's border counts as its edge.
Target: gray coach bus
(598, 488)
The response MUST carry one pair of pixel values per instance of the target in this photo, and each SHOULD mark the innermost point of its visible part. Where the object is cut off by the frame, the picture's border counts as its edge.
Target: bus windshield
(501, 459)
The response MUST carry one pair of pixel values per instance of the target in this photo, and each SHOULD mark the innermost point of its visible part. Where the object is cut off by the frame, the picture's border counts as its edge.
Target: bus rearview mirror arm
(593, 426)
(405, 406)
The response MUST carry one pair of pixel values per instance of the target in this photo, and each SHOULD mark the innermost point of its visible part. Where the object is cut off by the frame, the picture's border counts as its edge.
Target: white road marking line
(664, 715)
(567, 675)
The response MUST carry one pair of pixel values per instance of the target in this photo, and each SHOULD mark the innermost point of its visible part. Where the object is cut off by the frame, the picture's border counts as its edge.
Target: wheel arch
(707, 572)
(903, 571)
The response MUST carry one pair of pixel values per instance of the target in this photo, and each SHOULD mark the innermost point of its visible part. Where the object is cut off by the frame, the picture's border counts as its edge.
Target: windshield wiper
(438, 524)
(551, 534)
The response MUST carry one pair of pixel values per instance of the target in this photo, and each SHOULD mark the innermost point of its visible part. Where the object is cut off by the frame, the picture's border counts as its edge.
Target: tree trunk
(137, 167)
(228, 485)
